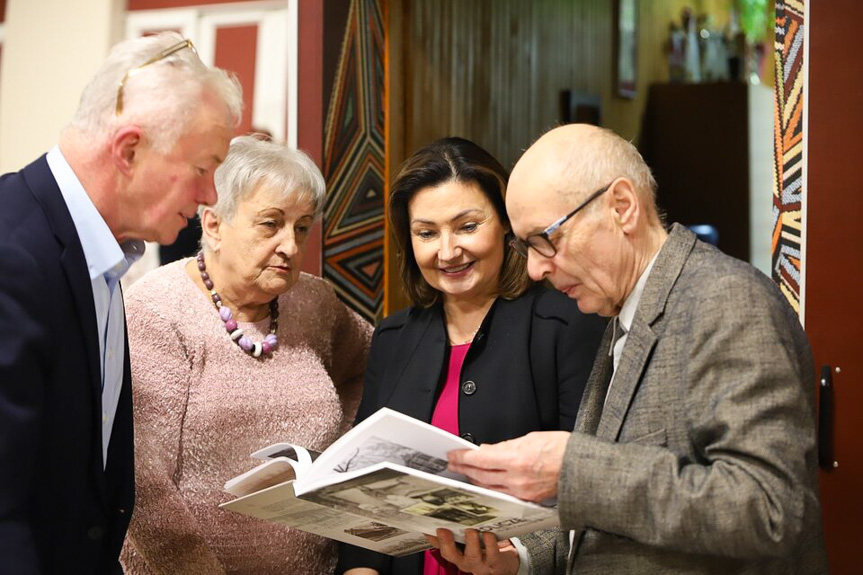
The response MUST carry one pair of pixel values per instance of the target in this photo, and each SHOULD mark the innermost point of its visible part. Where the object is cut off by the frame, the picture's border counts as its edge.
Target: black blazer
(60, 511)
(528, 366)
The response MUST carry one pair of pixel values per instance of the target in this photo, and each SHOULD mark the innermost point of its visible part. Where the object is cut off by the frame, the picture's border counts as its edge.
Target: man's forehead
(532, 208)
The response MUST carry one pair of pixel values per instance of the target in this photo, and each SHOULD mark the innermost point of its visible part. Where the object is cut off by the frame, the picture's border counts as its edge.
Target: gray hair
(161, 97)
(252, 160)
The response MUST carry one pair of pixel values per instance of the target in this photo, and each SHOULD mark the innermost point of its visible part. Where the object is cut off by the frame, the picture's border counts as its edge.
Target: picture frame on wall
(626, 47)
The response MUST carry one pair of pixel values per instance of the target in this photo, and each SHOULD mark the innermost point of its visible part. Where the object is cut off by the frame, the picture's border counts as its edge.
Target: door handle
(825, 420)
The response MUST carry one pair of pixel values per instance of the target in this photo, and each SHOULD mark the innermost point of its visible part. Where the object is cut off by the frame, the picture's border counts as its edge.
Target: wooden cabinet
(710, 149)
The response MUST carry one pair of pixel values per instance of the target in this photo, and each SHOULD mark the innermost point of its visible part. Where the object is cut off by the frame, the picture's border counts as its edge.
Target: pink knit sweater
(202, 405)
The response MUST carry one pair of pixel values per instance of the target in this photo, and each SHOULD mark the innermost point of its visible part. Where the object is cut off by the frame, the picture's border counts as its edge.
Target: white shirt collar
(627, 312)
(101, 250)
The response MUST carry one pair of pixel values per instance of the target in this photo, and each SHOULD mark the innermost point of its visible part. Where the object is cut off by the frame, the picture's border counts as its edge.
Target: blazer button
(468, 387)
(95, 533)
(468, 437)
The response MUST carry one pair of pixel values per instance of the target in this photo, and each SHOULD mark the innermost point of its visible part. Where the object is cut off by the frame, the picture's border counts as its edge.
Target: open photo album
(380, 486)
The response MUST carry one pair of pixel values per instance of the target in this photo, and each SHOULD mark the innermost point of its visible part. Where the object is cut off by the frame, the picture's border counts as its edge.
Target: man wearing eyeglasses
(134, 164)
(694, 447)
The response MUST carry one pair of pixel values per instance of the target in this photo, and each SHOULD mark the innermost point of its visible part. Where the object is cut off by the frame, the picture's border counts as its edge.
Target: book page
(278, 504)
(413, 500)
(380, 486)
(282, 462)
(388, 435)
(304, 457)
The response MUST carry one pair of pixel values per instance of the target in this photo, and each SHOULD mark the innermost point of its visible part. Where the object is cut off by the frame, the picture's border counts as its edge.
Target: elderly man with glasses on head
(134, 164)
(694, 446)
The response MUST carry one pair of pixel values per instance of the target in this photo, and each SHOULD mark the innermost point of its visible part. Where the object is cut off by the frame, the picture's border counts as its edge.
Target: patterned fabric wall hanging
(353, 223)
(788, 150)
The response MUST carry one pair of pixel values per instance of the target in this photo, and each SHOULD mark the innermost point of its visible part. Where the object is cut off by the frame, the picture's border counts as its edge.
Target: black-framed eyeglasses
(541, 242)
(160, 56)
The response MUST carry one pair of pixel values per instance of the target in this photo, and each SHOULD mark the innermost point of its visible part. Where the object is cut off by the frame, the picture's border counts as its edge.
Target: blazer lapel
(642, 338)
(416, 367)
(597, 385)
(82, 293)
(636, 353)
(639, 345)
(45, 189)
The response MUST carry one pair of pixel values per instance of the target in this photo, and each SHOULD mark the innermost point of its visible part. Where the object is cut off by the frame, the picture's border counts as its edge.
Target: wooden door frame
(396, 18)
(832, 274)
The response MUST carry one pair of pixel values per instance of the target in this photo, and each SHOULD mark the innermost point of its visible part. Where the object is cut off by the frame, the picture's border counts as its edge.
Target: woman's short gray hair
(162, 97)
(252, 160)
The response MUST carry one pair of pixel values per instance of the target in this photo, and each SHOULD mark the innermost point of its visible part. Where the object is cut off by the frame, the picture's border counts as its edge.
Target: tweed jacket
(529, 362)
(703, 458)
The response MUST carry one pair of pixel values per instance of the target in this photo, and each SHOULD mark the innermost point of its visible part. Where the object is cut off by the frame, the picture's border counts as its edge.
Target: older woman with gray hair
(231, 351)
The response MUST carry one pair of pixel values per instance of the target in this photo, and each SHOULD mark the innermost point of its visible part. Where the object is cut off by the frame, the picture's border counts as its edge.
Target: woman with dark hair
(483, 352)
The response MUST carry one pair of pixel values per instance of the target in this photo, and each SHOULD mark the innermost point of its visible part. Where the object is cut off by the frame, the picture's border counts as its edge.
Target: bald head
(576, 159)
(596, 189)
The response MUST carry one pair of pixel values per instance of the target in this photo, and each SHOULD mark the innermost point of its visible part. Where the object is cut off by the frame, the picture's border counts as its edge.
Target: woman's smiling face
(457, 240)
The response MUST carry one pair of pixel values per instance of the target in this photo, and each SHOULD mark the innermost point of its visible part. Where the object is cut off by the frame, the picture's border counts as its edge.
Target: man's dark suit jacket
(528, 362)
(60, 511)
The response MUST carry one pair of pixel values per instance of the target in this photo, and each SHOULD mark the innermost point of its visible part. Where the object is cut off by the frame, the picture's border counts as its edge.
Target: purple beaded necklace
(256, 348)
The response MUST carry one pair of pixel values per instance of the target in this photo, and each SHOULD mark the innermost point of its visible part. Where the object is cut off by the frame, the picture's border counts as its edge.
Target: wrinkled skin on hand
(527, 467)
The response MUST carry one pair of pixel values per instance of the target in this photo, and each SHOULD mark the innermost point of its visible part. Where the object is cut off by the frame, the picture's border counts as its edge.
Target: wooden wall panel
(493, 70)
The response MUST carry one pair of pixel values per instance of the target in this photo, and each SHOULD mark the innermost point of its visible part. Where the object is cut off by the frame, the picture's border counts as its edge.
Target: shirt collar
(103, 254)
(627, 312)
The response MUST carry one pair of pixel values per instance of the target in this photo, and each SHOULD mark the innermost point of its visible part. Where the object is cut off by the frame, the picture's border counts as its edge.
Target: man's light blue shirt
(107, 261)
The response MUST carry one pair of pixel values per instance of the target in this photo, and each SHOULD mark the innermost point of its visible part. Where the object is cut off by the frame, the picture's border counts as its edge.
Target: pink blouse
(445, 417)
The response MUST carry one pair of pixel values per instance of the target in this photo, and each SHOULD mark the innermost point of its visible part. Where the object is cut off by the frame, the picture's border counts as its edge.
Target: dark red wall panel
(235, 51)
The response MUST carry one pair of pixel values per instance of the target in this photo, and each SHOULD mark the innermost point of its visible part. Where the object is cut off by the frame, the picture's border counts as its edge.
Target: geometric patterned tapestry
(788, 190)
(353, 222)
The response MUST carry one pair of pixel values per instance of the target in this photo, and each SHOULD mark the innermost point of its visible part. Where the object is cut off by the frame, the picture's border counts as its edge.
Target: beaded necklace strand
(256, 348)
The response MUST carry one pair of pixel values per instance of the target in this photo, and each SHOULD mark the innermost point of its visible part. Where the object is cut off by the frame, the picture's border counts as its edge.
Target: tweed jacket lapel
(597, 384)
(642, 337)
(639, 345)
(591, 409)
(636, 354)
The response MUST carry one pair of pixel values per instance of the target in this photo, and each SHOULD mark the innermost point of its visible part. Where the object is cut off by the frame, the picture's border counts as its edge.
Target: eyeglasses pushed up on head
(160, 56)
(541, 242)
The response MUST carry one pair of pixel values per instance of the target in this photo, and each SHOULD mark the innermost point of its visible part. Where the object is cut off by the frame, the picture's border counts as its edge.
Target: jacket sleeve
(380, 354)
(563, 349)
(23, 342)
(743, 375)
(548, 551)
(163, 531)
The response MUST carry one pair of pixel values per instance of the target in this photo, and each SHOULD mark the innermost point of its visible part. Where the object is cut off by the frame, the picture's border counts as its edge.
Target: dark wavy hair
(460, 160)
